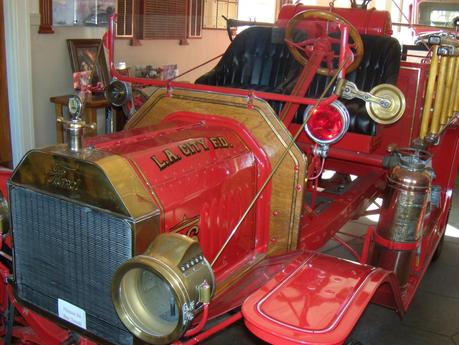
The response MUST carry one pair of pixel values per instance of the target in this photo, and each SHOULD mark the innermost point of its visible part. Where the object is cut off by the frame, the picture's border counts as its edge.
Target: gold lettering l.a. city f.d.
(188, 148)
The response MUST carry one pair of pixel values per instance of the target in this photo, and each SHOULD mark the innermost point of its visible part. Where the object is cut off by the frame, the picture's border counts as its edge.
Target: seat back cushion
(259, 59)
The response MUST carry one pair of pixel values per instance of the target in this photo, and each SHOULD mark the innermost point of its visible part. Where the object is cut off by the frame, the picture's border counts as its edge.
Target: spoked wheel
(302, 50)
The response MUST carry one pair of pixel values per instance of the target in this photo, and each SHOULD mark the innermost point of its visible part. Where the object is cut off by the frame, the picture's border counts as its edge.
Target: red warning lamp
(327, 123)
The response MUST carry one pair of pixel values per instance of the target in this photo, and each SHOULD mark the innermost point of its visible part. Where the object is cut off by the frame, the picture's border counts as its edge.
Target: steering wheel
(301, 50)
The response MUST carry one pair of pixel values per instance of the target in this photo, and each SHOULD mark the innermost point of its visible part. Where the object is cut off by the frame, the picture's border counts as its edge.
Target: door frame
(5, 137)
(19, 76)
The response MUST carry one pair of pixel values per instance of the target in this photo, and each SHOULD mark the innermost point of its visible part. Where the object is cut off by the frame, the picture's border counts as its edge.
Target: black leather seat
(259, 59)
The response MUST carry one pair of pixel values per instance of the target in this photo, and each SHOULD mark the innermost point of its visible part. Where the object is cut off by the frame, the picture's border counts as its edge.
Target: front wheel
(439, 249)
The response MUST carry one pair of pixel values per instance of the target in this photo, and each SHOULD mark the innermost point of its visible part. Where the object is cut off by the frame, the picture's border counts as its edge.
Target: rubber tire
(439, 249)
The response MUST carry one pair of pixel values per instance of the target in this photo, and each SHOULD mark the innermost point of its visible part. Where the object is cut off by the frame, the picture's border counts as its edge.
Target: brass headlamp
(157, 294)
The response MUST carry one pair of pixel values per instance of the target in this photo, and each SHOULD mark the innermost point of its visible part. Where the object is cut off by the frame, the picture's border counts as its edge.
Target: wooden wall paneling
(165, 19)
(125, 24)
(46, 17)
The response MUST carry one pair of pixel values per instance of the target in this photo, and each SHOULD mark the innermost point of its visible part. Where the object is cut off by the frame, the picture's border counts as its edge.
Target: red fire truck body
(212, 200)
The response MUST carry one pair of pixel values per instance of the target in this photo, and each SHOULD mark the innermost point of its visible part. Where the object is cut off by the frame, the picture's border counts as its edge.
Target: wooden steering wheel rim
(332, 17)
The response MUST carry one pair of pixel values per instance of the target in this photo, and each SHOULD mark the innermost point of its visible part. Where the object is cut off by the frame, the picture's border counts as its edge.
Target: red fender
(5, 175)
(317, 299)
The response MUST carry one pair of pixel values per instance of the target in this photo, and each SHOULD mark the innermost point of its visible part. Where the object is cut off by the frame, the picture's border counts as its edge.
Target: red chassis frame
(355, 154)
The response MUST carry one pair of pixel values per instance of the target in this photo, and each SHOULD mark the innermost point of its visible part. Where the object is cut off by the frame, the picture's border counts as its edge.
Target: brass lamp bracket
(385, 103)
(350, 91)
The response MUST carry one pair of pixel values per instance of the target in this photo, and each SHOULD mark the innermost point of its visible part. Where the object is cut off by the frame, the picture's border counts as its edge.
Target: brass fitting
(205, 292)
(75, 126)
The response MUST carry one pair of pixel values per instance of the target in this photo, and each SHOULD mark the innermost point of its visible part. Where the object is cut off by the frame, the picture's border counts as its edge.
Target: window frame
(217, 14)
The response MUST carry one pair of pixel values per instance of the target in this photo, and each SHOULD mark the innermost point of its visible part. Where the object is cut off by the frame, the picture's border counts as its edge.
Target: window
(257, 10)
(124, 26)
(164, 19)
(159, 19)
(82, 12)
(195, 18)
(261, 11)
(437, 13)
(214, 10)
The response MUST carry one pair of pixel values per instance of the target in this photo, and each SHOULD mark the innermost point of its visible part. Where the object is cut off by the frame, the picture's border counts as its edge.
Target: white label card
(71, 313)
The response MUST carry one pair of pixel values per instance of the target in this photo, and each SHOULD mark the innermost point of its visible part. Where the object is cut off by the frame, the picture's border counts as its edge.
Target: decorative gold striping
(271, 135)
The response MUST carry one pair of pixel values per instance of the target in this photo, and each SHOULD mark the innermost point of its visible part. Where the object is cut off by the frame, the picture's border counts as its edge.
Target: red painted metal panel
(317, 299)
(209, 171)
(251, 281)
(206, 171)
(412, 82)
(5, 174)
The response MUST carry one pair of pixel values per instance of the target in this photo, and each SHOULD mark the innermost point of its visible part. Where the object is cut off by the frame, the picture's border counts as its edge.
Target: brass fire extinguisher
(406, 196)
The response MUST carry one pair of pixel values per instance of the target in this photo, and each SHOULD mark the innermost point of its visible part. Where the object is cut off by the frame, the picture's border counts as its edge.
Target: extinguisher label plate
(71, 313)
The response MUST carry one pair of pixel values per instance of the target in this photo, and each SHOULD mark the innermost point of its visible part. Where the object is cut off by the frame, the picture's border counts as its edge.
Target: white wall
(162, 52)
(19, 76)
(52, 74)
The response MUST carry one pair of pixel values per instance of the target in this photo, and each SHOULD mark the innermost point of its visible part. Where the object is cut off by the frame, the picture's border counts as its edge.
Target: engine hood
(93, 177)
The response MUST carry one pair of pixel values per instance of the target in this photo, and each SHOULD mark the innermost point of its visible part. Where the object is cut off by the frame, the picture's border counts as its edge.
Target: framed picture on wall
(89, 55)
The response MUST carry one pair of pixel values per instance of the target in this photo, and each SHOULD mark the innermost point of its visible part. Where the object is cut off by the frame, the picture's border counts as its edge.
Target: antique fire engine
(210, 202)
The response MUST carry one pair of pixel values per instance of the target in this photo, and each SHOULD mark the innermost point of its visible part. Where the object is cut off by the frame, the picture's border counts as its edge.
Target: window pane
(195, 19)
(210, 13)
(435, 13)
(232, 11)
(257, 10)
(222, 10)
(63, 12)
(164, 20)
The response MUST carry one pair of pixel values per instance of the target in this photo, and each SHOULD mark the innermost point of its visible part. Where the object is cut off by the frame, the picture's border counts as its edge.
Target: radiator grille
(68, 251)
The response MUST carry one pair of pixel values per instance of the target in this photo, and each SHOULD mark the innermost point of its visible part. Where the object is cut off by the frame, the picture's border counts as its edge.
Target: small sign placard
(71, 313)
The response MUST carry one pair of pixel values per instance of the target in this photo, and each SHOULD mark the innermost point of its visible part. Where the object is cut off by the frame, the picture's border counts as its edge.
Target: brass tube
(439, 95)
(448, 82)
(454, 87)
(429, 93)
